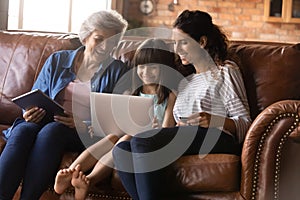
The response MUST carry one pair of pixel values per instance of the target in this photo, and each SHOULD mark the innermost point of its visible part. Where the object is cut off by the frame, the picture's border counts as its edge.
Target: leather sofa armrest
(261, 154)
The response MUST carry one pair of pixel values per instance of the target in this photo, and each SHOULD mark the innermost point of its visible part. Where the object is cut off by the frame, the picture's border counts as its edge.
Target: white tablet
(120, 114)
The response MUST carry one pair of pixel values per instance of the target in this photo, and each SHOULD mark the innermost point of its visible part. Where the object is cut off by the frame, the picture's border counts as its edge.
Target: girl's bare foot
(63, 180)
(81, 184)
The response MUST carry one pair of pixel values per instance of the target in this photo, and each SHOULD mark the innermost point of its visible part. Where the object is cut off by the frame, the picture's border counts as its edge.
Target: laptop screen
(120, 114)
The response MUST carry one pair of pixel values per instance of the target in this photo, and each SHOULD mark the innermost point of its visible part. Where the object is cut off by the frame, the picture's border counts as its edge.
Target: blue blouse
(58, 71)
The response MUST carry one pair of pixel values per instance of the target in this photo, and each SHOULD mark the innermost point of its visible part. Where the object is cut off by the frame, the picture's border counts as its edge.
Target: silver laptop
(120, 114)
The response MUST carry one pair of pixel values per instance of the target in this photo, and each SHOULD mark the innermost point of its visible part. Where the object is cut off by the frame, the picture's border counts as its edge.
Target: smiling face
(185, 47)
(191, 51)
(99, 44)
(148, 73)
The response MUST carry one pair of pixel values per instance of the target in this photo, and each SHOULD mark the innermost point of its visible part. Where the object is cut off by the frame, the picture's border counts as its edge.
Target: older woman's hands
(34, 114)
(67, 120)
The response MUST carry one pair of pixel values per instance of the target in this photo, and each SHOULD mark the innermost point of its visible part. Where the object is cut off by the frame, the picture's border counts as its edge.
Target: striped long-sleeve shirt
(219, 92)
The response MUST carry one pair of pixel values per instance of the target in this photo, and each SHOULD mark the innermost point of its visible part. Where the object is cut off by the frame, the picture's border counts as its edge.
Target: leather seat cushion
(194, 173)
(212, 172)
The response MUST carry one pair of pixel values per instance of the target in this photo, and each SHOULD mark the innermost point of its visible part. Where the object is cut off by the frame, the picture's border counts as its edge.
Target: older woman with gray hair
(35, 146)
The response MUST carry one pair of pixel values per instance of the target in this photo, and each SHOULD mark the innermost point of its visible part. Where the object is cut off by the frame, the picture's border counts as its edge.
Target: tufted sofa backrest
(271, 72)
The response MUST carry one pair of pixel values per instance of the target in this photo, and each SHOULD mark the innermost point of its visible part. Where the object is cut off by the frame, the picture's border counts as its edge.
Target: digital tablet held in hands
(39, 99)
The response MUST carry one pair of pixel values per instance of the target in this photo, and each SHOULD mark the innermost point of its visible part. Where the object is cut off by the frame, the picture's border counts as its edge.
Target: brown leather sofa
(269, 165)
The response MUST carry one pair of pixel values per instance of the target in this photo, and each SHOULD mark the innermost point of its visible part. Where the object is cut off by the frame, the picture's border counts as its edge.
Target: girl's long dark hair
(197, 24)
(153, 51)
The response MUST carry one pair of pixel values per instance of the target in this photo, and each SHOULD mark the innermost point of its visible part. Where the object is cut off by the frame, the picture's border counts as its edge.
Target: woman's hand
(197, 119)
(34, 114)
(67, 120)
(204, 120)
(207, 120)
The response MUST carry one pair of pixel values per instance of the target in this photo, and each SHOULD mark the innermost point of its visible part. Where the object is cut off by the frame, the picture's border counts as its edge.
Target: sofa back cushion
(271, 72)
(22, 57)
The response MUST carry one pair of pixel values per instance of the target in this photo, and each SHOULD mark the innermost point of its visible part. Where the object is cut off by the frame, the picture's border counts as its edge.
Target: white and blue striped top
(219, 92)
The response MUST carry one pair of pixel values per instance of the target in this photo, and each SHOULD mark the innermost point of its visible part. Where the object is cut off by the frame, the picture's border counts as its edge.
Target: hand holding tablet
(36, 98)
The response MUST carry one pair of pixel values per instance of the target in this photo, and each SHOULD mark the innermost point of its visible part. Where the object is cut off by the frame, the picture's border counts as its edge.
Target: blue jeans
(142, 172)
(33, 154)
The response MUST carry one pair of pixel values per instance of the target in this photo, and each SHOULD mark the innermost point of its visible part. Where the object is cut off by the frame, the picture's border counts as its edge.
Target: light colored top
(220, 92)
(75, 98)
(159, 109)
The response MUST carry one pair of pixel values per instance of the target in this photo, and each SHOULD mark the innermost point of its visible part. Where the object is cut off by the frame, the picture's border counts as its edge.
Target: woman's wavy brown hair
(197, 24)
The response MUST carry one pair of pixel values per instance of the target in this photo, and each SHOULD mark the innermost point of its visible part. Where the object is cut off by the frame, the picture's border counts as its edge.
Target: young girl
(151, 62)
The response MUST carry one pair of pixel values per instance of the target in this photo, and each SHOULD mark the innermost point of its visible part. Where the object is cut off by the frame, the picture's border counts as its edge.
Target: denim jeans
(141, 162)
(33, 154)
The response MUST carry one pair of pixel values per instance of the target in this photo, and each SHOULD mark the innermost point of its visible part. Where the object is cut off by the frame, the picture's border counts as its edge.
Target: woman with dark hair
(211, 111)
(152, 61)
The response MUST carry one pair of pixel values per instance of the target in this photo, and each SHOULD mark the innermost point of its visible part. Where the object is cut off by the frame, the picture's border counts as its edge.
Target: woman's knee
(122, 156)
(152, 140)
(142, 145)
(25, 131)
(121, 149)
(125, 138)
(124, 145)
(55, 131)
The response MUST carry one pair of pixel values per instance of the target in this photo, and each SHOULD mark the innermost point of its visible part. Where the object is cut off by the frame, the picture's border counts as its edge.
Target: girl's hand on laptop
(91, 131)
(67, 120)
(34, 114)
(89, 128)
(155, 123)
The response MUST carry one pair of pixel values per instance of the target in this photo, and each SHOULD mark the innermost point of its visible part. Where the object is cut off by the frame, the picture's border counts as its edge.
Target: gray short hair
(103, 20)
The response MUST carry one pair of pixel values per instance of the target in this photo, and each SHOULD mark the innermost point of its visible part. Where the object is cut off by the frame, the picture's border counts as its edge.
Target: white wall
(3, 14)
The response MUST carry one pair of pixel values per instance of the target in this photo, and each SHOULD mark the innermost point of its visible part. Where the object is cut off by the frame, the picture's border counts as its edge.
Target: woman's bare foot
(63, 180)
(81, 184)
